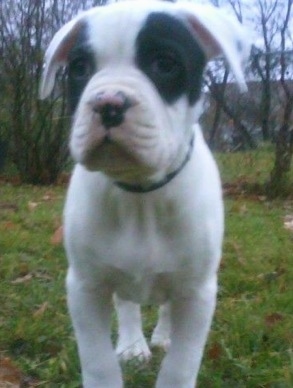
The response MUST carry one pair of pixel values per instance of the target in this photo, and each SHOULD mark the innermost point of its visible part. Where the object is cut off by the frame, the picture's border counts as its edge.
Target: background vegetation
(34, 134)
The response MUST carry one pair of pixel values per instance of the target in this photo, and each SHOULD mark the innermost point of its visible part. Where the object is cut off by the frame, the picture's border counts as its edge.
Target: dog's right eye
(80, 68)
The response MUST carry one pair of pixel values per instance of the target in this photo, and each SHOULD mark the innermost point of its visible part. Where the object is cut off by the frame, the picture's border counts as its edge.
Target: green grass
(250, 344)
(251, 166)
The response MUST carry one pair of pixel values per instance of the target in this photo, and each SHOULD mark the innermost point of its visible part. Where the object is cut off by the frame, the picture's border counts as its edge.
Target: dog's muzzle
(112, 106)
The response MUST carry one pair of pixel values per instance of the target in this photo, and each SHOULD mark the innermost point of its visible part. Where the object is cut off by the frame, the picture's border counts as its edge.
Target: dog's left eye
(80, 68)
(165, 65)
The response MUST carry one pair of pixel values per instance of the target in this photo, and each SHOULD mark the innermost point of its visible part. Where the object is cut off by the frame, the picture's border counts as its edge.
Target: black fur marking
(169, 55)
(81, 67)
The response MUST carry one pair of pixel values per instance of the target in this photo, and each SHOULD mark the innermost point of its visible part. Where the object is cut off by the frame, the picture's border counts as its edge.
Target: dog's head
(134, 79)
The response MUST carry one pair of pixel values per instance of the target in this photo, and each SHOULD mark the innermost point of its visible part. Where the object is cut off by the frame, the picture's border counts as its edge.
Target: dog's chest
(137, 237)
(139, 244)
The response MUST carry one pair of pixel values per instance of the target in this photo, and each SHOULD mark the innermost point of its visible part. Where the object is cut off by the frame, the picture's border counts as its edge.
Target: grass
(250, 344)
(251, 166)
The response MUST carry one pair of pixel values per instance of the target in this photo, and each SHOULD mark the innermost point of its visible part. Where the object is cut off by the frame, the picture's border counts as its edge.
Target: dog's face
(134, 79)
(132, 97)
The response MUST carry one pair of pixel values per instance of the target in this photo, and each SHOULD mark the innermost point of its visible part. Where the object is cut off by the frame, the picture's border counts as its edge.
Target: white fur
(160, 247)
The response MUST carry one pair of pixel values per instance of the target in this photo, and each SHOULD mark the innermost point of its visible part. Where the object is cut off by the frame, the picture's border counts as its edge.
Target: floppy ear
(56, 54)
(218, 34)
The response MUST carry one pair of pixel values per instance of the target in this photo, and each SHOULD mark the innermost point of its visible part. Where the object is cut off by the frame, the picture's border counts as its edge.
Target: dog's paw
(160, 340)
(138, 351)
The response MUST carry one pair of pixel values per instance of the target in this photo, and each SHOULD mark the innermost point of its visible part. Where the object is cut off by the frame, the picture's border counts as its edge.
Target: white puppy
(144, 210)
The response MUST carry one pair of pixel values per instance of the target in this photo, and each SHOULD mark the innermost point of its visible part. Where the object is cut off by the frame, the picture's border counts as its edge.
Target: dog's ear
(57, 53)
(219, 34)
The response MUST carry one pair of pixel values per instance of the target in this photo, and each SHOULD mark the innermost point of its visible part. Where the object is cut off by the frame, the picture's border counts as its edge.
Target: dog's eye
(165, 65)
(80, 68)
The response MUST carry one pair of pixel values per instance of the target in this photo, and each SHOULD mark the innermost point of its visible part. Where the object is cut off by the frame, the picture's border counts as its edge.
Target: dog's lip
(107, 146)
(106, 138)
(110, 149)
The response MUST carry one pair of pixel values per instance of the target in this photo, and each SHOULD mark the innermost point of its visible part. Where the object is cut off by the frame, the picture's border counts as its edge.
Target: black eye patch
(171, 58)
(81, 66)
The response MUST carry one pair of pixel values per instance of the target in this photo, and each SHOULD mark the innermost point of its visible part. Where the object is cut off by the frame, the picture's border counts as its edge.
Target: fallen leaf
(32, 205)
(215, 352)
(10, 375)
(48, 197)
(273, 319)
(9, 225)
(23, 279)
(57, 237)
(41, 310)
(288, 222)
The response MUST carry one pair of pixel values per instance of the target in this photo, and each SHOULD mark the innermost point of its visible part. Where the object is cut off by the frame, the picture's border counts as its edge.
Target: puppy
(144, 211)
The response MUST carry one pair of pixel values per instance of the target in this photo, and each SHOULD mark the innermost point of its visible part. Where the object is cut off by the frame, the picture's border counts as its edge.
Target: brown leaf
(10, 375)
(48, 196)
(215, 352)
(41, 310)
(9, 225)
(288, 222)
(23, 279)
(57, 237)
(273, 319)
(32, 205)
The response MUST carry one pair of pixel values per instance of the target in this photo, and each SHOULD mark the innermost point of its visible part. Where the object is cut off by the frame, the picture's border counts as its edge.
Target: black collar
(154, 186)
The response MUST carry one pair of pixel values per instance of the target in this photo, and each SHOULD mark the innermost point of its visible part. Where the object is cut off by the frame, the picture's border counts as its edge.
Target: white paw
(160, 340)
(137, 350)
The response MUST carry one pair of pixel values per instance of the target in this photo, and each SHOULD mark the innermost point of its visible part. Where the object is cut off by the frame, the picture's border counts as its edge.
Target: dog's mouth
(126, 169)
(116, 161)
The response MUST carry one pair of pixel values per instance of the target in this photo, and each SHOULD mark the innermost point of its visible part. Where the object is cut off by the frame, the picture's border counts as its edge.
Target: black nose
(111, 107)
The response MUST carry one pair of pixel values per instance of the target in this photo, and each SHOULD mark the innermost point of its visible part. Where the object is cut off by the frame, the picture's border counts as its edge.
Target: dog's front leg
(90, 309)
(190, 323)
(131, 341)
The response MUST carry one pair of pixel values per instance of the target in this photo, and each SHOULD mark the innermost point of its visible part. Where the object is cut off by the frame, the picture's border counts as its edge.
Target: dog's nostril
(111, 108)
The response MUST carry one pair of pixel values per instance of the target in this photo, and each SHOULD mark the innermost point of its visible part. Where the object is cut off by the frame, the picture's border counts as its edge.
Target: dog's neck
(140, 188)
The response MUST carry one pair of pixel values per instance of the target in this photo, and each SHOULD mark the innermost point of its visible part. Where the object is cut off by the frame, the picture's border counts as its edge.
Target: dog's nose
(111, 107)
